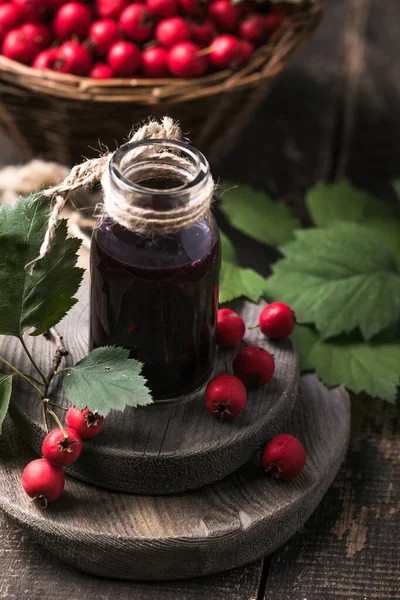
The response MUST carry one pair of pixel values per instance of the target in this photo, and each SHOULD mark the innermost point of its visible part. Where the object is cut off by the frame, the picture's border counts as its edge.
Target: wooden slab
(218, 527)
(171, 446)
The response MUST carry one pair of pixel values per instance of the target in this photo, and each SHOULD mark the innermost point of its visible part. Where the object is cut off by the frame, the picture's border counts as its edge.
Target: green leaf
(228, 250)
(236, 282)
(107, 379)
(304, 339)
(372, 367)
(338, 278)
(256, 215)
(341, 201)
(5, 395)
(39, 300)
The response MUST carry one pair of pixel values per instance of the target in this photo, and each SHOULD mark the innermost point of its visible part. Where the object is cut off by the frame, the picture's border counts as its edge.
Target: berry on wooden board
(85, 422)
(62, 448)
(277, 320)
(72, 19)
(124, 59)
(230, 328)
(283, 457)
(254, 365)
(43, 481)
(226, 396)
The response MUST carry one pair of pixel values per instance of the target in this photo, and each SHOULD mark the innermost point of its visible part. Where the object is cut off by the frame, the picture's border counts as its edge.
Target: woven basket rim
(267, 62)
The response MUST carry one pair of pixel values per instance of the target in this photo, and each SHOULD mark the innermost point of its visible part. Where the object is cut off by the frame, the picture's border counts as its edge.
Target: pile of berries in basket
(104, 39)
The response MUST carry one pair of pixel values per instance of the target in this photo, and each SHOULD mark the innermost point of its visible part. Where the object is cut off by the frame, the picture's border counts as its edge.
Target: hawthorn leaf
(340, 278)
(304, 339)
(228, 249)
(5, 395)
(371, 367)
(256, 215)
(40, 300)
(236, 282)
(106, 379)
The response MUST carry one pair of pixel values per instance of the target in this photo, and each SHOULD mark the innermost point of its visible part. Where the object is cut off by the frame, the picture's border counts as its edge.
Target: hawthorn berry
(272, 22)
(230, 328)
(194, 8)
(225, 15)
(73, 58)
(17, 46)
(171, 31)
(225, 52)
(163, 8)
(154, 64)
(254, 365)
(86, 423)
(226, 396)
(31, 11)
(253, 29)
(100, 71)
(103, 34)
(39, 33)
(184, 60)
(43, 481)
(10, 17)
(59, 450)
(202, 33)
(124, 58)
(283, 457)
(45, 59)
(277, 320)
(54, 5)
(246, 51)
(72, 19)
(110, 9)
(137, 22)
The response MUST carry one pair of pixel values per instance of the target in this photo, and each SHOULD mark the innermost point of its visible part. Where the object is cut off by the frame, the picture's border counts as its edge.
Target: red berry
(253, 29)
(226, 396)
(45, 60)
(40, 34)
(183, 60)
(59, 450)
(163, 8)
(277, 320)
(54, 5)
(202, 33)
(171, 31)
(154, 63)
(103, 34)
(194, 8)
(100, 71)
(246, 51)
(72, 57)
(254, 365)
(244, 8)
(272, 22)
(225, 15)
(137, 22)
(85, 422)
(72, 19)
(225, 52)
(230, 328)
(43, 481)
(124, 59)
(10, 17)
(110, 9)
(31, 11)
(283, 457)
(18, 46)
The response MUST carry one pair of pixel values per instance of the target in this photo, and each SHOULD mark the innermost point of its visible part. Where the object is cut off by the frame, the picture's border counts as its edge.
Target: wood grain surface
(170, 446)
(215, 528)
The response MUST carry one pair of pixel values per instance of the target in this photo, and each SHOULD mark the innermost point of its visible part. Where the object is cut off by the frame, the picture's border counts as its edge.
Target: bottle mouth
(159, 167)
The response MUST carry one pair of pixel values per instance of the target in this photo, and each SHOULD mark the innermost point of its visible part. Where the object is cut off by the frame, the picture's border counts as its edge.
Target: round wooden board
(218, 527)
(170, 446)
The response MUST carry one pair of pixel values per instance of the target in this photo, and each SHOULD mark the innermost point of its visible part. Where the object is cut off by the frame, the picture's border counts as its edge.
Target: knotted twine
(116, 205)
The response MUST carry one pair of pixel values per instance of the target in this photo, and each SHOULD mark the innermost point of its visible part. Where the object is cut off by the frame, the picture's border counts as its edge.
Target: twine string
(116, 205)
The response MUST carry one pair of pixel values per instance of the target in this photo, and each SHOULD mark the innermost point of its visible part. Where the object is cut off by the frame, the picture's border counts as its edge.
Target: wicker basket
(63, 117)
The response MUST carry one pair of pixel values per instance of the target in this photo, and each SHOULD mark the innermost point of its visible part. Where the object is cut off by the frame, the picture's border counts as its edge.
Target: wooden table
(333, 113)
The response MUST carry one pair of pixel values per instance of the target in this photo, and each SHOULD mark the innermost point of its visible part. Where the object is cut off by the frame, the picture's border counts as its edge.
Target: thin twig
(46, 424)
(60, 352)
(42, 375)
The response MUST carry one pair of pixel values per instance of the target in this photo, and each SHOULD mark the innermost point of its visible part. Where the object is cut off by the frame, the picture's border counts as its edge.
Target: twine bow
(116, 205)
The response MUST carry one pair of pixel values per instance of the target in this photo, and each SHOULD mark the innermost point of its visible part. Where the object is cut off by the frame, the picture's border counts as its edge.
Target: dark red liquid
(158, 298)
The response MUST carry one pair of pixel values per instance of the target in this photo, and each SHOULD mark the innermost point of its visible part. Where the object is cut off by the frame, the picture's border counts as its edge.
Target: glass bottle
(158, 295)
